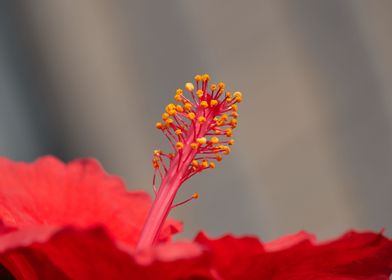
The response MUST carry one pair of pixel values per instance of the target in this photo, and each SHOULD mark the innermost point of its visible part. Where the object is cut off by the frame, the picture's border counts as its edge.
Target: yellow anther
(195, 163)
(206, 77)
(178, 132)
(189, 87)
(199, 93)
(201, 140)
(179, 108)
(226, 150)
(212, 165)
(169, 121)
(155, 163)
(229, 132)
(224, 117)
(234, 107)
(238, 96)
(214, 102)
(179, 91)
(177, 97)
(171, 109)
(233, 122)
(220, 122)
(188, 106)
(171, 155)
(218, 157)
(198, 78)
(179, 145)
(195, 195)
(204, 104)
(234, 114)
(231, 142)
(157, 152)
(213, 87)
(194, 146)
(201, 119)
(214, 140)
(221, 85)
(228, 94)
(191, 116)
(204, 163)
(159, 125)
(165, 116)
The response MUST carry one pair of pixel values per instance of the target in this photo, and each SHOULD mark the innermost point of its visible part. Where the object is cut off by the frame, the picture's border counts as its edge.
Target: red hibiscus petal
(353, 256)
(70, 253)
(80, 193)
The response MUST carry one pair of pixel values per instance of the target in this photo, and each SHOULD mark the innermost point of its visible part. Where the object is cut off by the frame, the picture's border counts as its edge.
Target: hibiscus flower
(74, 221)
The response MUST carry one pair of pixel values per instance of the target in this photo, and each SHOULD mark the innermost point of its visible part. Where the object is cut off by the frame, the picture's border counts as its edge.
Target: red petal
(353, 256)
(81, 193)
(71, 253)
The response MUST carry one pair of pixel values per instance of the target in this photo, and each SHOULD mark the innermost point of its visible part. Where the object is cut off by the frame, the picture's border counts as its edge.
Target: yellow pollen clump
(188, 106)
(155, 163)
(177, 97)
(233, 122)
(220, 122)
(159, 125)
(195, 195)
(179, 108)
(194, 146)
(201, 140)
(171, 109)
(212, 165)
(228, 94)
(204, 104)
(179, 145)
(234, 107)
(231, 142)
(205, 77)
(169, 121)
(224, 117)
(191, 116)
(178, 131)
(229, 132)
(165, 116)
(204, 163)
(199, 93)
(214, 102)
(221, 85)
(226, 150)
(195, 163)
(198, 78)
(189, 87)
(238, 96)
(157, 152)
(179, 91)
(201, 119)
(214, 140)
(218, 157)
(213, 87)
(234, 114)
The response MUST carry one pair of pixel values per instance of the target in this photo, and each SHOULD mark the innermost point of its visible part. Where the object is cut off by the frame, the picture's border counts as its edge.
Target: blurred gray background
(314, 144)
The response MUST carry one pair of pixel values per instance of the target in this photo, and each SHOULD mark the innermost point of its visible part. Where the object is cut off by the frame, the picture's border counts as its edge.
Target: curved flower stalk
(199, 130)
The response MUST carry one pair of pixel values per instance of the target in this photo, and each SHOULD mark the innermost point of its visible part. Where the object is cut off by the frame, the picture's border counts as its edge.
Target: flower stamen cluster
(199, 127)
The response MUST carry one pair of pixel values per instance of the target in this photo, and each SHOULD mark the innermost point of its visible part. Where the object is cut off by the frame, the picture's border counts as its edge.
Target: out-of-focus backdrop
(314, 144)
